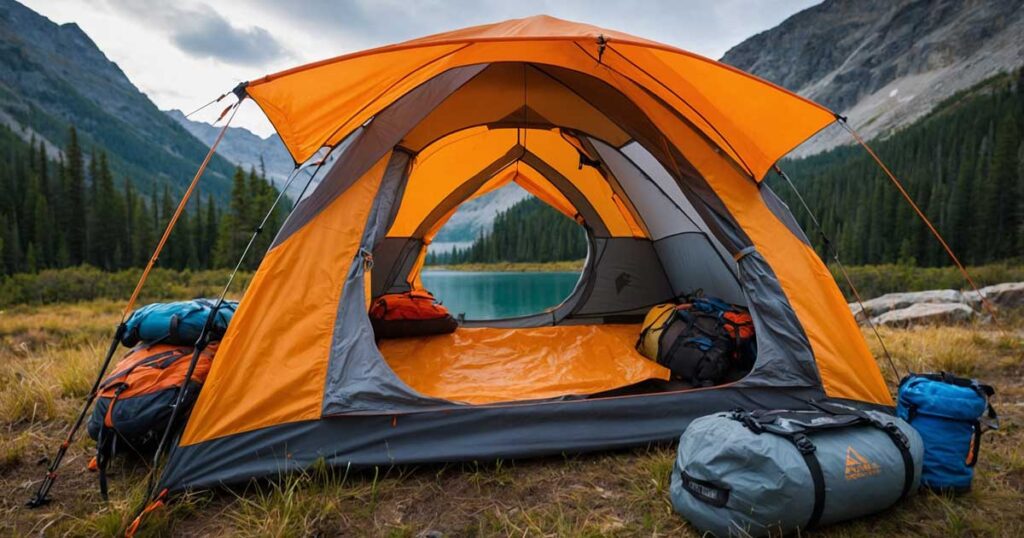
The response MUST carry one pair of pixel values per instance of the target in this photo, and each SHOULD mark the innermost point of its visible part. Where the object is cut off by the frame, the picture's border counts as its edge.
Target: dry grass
(47, 357)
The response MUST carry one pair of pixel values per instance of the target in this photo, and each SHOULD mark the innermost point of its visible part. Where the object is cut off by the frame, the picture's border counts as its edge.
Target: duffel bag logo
(858, 466)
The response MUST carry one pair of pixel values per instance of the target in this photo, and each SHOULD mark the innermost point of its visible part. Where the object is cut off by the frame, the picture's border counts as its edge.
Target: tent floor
(489, 365)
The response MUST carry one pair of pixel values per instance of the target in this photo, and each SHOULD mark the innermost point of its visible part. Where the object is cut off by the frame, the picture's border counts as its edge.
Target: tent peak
(540, 26)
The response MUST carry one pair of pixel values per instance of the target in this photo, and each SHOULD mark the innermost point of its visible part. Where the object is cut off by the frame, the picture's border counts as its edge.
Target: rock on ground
(896, 301)
(925, 314)
(1006, 295)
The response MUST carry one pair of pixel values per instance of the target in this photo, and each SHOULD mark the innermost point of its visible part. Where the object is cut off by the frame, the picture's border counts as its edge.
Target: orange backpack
(134, 403)
(413, 313)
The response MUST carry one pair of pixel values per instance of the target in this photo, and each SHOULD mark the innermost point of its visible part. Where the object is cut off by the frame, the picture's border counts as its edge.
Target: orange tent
(658, 153)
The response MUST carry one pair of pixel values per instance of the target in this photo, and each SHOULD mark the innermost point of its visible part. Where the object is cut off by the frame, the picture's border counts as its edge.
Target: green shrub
(874, 280)
(87, 283)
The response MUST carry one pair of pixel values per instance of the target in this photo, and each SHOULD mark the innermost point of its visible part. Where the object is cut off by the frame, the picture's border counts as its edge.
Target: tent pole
(42, 494)
(931, 227)
(842, 268)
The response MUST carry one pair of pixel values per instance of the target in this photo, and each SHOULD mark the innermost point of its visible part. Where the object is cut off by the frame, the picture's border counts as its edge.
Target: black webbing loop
(757, 421)
(102, 457)
(705, 491)
(903, 445)
(807, 449)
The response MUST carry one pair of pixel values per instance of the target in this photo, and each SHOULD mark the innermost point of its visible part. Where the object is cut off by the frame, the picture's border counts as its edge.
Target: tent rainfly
(658, 153)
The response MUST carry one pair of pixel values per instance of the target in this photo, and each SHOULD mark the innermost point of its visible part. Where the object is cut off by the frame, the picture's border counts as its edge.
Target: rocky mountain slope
(53, 76)
(242, 147)
(474, 216)
(885, 63)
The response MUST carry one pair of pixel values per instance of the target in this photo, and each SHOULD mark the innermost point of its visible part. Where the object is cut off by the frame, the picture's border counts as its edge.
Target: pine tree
(43, 226)
(1002, 206)
(232, 229)
(108, 221)
(174, 254)
(210, 232)
(144, 237)
(74, 221)
(958, 163)
(12, 246)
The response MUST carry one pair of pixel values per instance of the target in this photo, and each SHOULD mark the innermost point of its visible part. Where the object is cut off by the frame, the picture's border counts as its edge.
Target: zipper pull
(367, 258)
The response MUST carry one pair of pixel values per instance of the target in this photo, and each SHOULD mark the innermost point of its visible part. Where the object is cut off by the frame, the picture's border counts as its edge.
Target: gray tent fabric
(685, 247)
(358, 377)
(392, 260)
(384, 133)
(627, 277)
(784, 356)
(660, 213)
(463, 433)
(697, 199)
(693, 266)
(781, 211)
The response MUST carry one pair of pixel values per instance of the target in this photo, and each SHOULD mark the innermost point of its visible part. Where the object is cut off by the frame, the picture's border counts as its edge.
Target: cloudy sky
(183, 53)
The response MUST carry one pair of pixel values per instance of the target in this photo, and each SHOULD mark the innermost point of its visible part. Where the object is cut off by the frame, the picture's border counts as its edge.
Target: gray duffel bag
(772, 472)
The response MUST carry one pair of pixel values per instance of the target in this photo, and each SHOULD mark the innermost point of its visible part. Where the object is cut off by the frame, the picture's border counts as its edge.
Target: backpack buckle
(897, 434)
(804, 444)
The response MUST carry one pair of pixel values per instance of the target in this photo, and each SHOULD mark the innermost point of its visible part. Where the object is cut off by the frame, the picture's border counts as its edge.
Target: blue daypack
(176, 324)
(947, 411)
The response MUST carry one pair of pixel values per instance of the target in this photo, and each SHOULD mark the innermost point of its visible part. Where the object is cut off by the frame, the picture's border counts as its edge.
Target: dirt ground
(48, 356)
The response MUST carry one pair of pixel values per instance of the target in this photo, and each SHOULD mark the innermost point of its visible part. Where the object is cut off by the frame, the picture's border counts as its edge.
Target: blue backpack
(176, 324)
(947, 411)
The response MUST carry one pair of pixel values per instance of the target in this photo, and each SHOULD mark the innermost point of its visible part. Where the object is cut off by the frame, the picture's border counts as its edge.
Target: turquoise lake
(496, 295)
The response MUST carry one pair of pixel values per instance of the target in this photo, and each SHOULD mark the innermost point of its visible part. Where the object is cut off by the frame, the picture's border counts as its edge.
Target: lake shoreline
(512, 267)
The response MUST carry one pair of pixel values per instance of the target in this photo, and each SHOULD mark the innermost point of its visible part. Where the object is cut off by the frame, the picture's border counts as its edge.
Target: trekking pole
(41, 497)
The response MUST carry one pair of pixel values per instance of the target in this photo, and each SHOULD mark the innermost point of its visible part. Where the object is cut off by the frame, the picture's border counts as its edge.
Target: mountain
(243, 147)
(964, 165)
(53, 76)
(885, 63)
(527, 231)
(476, 216)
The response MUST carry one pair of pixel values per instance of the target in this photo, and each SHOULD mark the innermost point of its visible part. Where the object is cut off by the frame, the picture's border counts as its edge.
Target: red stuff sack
(414, 313)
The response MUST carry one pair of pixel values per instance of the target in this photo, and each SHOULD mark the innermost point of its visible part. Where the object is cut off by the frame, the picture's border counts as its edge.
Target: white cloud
(202, 32)
(182, 54)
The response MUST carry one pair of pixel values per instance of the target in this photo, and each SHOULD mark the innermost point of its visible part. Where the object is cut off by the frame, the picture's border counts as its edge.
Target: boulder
(897, 301)
(925, 314)
(1006, 295)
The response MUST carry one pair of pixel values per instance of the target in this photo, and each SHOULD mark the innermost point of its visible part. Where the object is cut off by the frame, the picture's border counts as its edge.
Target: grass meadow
(48, 356)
